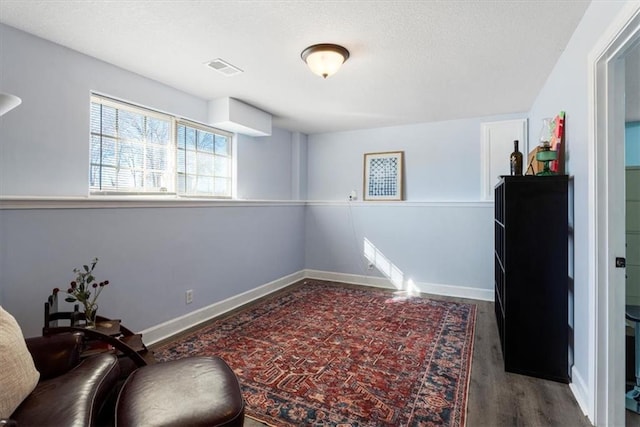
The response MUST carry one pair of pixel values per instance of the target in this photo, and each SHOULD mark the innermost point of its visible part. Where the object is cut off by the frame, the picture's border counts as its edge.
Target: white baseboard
(381, 282)
(354, 279)
(580, 391)
(171, 327)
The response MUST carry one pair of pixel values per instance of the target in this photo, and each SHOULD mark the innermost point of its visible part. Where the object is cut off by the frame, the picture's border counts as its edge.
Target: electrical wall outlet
(188, 296)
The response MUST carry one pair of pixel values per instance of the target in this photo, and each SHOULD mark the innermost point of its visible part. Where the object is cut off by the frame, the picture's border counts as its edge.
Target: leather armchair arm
(56, 354)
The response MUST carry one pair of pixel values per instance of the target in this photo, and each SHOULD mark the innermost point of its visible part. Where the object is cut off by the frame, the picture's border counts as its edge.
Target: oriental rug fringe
(322, 354)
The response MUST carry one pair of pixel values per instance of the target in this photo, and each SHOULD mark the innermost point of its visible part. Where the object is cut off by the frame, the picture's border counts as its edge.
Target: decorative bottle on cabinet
(516, 160)
(532, 275)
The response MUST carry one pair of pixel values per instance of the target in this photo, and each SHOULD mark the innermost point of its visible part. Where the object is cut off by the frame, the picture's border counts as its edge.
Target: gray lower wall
(448, 244)
(151, 256)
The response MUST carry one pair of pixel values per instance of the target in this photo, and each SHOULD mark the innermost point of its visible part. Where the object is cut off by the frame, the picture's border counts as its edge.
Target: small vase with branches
(86, 290)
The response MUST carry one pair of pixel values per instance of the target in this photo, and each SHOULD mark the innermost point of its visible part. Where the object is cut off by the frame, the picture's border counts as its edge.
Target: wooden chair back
(54, 318)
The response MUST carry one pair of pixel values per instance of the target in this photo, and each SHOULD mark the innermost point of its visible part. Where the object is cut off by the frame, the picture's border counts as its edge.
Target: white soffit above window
(236, 116)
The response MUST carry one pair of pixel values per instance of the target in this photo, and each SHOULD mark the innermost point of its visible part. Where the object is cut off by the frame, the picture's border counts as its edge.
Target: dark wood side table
(108, 335)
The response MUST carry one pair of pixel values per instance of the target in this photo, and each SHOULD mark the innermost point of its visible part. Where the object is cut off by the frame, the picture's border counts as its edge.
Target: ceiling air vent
(223, 67)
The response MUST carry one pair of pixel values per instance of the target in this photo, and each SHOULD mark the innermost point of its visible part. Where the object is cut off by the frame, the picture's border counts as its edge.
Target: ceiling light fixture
(8, 102)
(325, 59)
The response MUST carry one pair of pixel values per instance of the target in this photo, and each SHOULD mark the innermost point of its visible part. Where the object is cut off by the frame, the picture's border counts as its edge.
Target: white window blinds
(136, 150)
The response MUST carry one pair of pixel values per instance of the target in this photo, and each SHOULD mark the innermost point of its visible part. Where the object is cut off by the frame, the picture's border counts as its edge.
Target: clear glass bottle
(516, 160)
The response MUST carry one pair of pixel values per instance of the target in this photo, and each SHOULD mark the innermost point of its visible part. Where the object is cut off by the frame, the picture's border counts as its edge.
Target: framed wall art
(383, 174)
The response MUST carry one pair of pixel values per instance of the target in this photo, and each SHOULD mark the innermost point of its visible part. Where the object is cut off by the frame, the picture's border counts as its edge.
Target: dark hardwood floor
(498, 398)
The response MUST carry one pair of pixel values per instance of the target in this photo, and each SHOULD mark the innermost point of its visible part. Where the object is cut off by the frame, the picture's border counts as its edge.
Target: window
(136, 150)
(131, 149)
(204, 161)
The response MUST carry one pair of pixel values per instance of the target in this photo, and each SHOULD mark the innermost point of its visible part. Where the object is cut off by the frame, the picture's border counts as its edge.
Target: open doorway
(632, 235)
(607, 214)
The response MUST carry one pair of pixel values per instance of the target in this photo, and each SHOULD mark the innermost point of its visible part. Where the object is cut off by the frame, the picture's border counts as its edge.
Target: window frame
(172, 157)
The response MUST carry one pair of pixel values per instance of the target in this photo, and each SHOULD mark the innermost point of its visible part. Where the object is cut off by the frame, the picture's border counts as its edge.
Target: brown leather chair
(195, 391)
(70, 392)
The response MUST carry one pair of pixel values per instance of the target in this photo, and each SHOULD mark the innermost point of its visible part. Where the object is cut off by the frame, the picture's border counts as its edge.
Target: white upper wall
(265, 166)
(442, 159)
(44, 148)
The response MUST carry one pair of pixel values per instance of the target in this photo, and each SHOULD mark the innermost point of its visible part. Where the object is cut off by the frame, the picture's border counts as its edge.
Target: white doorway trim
(606, 216)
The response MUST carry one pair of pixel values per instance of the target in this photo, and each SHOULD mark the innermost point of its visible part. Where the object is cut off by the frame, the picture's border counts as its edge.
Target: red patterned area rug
(323, 354)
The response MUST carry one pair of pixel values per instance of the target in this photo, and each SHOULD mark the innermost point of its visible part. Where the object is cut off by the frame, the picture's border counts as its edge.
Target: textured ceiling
(411, 61)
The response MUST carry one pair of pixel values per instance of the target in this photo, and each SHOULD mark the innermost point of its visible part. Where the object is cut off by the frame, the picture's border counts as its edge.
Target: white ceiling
(411, 61)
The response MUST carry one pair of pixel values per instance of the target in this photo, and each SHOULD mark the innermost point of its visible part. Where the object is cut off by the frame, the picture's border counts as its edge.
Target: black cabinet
(531, 275)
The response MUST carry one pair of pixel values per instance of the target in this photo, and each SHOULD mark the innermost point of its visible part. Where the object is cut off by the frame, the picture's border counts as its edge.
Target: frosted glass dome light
(325, 59)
